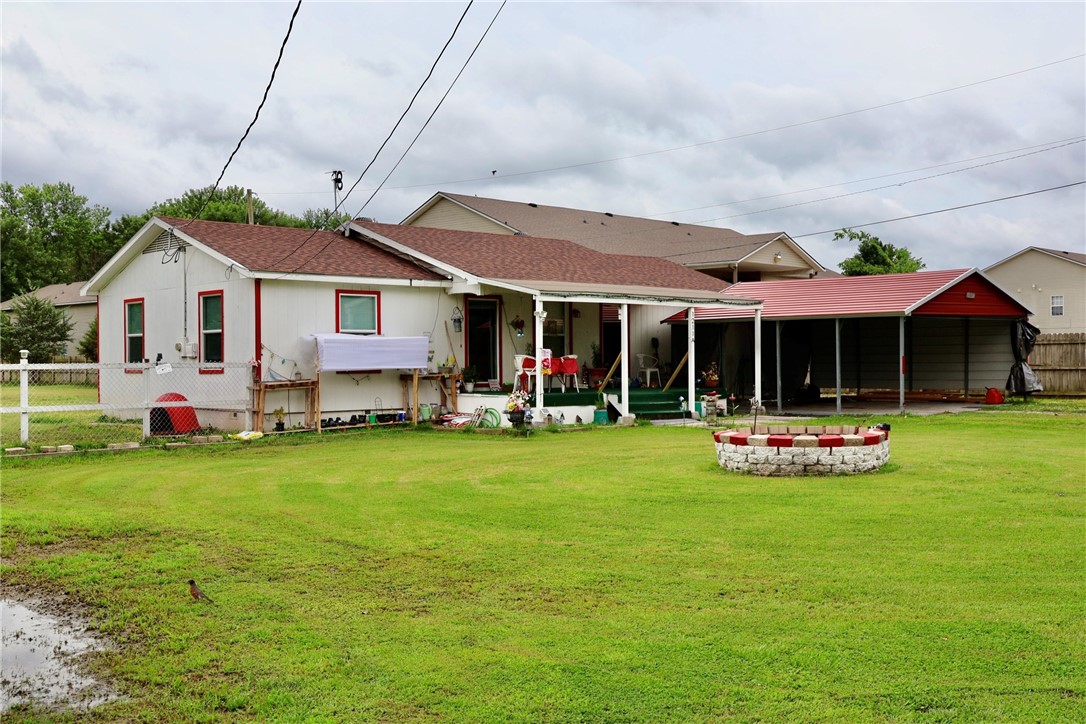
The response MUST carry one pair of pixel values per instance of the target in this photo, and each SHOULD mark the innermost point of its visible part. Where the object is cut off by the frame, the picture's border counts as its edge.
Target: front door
(482, 322)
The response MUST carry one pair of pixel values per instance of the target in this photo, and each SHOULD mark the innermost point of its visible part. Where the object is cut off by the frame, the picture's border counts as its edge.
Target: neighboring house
(722, 253)
(1050, 282)
(216, 293)
(79, 308)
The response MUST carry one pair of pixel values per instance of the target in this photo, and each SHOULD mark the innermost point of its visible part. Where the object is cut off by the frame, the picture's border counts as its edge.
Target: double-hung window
(133, 331)
(211, 327)
(1057, 305)
(358, 312)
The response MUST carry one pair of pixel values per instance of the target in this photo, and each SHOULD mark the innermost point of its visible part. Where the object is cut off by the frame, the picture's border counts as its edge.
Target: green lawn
(604, 575)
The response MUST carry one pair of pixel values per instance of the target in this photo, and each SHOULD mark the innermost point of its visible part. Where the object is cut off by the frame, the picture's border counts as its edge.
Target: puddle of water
(39, 661)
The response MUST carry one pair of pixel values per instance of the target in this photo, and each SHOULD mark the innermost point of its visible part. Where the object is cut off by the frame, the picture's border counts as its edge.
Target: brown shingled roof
(286, 250)
(536, 259)
(688, 244)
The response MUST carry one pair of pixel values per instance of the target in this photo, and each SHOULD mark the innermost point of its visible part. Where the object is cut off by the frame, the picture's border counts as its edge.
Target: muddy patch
(43, 659)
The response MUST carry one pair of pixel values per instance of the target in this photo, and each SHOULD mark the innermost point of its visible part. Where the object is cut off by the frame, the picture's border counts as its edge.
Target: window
(133, 330)
(211, 338)
(358, 312)
(1057, 305)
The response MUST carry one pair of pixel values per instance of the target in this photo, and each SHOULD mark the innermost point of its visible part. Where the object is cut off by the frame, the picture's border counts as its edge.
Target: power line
(432, 113)
(1063, 141)
(384, 143)
(888, 186)
(750, 133)
(939, 211)
(267, 89)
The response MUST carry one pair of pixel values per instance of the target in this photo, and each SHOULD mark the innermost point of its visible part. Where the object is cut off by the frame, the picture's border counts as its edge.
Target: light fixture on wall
(541, 314)
(777, 257)
(458, 320)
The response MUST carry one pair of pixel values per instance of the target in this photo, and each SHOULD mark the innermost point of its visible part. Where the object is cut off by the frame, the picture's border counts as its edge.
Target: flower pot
(469, 387)
(280, 427)
(599, 417)
(516, 417)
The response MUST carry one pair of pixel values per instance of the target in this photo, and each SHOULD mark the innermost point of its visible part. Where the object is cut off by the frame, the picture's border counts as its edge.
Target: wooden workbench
(446, 382)
(312, 400)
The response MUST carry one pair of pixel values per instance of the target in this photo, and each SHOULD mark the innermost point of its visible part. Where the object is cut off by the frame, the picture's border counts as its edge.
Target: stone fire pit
(807, 450)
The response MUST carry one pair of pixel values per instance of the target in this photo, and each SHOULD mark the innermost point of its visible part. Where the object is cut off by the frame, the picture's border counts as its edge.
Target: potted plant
(516, 407)
(471, 376)
(599, 416)
(710, 376)
(280, 419)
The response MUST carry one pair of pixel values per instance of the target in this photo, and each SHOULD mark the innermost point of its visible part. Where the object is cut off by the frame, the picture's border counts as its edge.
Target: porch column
(538, 324)
(691, 375)
(624, 318)
(780, 396)
(758, 356)
(901, 356)
(837, 356)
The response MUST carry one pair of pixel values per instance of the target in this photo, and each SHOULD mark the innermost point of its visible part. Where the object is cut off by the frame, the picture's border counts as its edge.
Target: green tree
(88, 344)
(226, 204)
(36, 325)
(51, 235)
(324, 218)
(875, 257)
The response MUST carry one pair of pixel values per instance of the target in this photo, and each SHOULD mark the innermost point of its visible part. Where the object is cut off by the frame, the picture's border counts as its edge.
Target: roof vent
(607, 213)
(533, 205)
(674, 223)
(584, 221)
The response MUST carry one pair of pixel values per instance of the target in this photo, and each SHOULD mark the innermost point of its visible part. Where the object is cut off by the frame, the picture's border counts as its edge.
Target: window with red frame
(211, 327)
(133, 330)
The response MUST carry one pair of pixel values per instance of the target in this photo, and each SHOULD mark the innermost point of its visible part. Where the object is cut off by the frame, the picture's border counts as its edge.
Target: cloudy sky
(749, 116)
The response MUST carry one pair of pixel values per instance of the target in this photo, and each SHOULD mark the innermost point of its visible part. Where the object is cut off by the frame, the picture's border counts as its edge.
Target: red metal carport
(951, 314)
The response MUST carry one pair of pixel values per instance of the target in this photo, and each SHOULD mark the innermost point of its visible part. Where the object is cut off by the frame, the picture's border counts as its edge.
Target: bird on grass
(196, 593)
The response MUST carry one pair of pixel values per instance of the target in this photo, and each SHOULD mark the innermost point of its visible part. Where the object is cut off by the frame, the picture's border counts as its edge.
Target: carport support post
(758, 356)
(690, 374)
(837, 355)
(901, 356)
(779, 395)
(624, 316)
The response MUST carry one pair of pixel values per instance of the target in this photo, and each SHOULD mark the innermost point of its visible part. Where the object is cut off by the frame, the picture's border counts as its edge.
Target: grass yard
(604, 575)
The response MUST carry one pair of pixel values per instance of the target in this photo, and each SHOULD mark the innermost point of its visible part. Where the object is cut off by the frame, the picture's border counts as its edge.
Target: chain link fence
(90, 406)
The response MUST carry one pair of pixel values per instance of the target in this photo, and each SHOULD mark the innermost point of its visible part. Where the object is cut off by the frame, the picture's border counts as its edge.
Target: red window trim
(200, 328)
(358, 293)
(143, 332)
(212, 370)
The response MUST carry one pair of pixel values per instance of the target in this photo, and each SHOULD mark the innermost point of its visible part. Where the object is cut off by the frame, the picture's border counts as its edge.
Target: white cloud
(134, 103)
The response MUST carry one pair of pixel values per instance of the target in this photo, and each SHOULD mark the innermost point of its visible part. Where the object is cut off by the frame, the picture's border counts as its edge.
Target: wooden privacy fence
(1060, 362)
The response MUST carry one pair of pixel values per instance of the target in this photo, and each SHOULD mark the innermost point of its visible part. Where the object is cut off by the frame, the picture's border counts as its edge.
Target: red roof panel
(885, 295)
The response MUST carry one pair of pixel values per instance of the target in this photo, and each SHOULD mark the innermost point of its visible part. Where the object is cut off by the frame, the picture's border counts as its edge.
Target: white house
(79, 308)
(220, 294)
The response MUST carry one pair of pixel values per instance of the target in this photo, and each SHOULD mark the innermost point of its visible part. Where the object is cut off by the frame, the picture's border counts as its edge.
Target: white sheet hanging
(346, 352)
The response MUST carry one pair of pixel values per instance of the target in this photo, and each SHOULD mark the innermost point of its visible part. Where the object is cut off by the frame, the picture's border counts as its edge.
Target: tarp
(347, 352)
(1023, 380)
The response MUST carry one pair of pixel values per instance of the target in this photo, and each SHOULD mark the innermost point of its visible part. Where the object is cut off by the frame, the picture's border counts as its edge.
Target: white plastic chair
(525, 368)
(648, 366)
